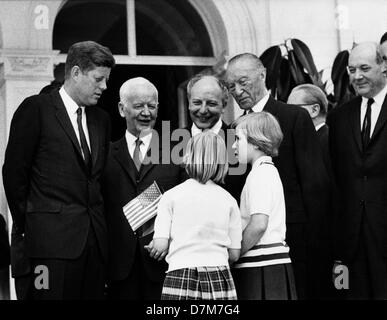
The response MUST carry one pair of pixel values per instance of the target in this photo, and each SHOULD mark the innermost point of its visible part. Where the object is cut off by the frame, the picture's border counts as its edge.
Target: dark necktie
(248, 111)
(137, 155)
(82, 137)
(366, 129)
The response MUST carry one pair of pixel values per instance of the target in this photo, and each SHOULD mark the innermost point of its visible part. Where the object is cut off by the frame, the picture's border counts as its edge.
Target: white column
(22, 73)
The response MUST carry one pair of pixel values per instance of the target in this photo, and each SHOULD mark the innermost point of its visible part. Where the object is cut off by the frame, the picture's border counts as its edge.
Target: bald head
(366, 69)
(247, 58)
(138, 105)
(246, 80)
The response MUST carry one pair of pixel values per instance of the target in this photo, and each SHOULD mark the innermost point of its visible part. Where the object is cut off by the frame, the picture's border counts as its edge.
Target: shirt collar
(379, 98)
(215, 128)
(262, 159)
(131, 139)
(261, 103)
(319, 126)
(69, 103)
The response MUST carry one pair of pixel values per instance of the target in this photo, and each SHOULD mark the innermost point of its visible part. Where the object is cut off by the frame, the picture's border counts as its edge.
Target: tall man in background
(56, 152)
(358, 139)
(300, 165)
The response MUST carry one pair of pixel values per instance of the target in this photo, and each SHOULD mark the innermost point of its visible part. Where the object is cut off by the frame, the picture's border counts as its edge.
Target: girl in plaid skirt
(198, 227)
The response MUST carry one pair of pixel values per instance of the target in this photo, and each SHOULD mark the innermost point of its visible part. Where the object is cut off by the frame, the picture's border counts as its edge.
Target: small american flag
(144, 207)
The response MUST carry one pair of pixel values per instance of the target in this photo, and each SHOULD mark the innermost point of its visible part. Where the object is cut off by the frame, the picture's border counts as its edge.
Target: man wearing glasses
(314, 100)
(300, 165)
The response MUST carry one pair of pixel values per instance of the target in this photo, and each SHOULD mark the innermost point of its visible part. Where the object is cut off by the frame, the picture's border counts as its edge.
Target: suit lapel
(381, 120)
(354, 118)
(155, 144)
(270, 106)
(121, 153)
(64, 120)
(93, 133)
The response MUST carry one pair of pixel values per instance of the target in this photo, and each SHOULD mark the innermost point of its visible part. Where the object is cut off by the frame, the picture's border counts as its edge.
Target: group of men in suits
(66, 185)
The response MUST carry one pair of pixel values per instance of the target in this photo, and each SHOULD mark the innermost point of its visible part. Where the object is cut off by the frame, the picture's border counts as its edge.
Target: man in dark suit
(358, 139)
(133, 274)
(207, 98)
(300, 165)
(314, 100)
(56, 152)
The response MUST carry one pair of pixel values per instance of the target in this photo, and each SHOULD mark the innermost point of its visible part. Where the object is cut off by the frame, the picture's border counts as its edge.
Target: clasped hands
(158, 248)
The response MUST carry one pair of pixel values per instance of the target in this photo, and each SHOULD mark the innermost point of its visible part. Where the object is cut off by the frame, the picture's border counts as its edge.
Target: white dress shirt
(261, 103)
(375, 108)
(319, 126)
(215, 129)
(144, 146)
(71, 108)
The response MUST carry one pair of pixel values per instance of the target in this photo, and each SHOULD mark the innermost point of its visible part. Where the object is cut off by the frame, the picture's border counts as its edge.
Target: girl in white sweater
(198, 227)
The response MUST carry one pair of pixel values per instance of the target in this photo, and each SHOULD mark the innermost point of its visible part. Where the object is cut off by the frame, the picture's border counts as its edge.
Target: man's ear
(121, 109)
(262, 74)
(75, 73)
(315, 110)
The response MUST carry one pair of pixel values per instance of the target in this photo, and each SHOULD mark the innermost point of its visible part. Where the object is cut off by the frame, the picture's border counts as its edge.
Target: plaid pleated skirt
(199, 283)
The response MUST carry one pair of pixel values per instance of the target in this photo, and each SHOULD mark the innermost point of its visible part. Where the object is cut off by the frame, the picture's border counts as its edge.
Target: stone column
(22, 73)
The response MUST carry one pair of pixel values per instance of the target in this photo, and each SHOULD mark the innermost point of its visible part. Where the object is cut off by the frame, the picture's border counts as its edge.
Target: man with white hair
(132, 273)
(314, 100)
(358, 139)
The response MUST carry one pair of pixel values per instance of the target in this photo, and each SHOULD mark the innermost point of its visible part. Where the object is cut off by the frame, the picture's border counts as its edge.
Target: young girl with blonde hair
(264, 270)
(198, 227)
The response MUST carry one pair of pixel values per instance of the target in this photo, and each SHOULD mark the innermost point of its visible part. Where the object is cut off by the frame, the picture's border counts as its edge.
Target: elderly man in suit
(133, 274)
(358, 139)
(314, 100)
(207, 98)
(56, 152)
(300, 165)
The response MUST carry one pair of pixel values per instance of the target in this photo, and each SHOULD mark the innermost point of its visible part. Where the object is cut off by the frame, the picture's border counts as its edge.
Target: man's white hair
(130, 86)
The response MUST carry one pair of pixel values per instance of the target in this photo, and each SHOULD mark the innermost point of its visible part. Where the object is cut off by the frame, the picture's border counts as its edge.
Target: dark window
(97, 20)
(171, 28)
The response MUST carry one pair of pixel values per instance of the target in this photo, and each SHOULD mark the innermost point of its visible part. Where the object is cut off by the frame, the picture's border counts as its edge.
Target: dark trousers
(137, 285)
(368, 270)
(78, 279)
(312, 264)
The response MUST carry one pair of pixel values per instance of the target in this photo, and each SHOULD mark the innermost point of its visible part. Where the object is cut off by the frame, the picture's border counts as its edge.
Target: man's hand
(158, 248)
